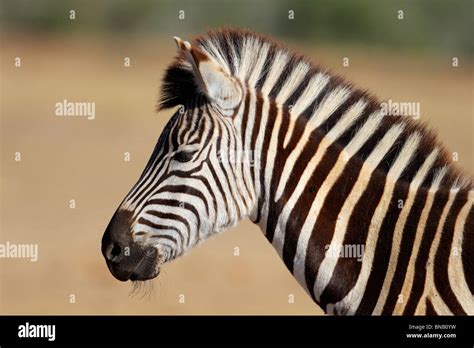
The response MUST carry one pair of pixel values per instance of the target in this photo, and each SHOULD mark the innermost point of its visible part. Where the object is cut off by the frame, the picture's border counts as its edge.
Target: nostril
(116, 250)
(117, 238)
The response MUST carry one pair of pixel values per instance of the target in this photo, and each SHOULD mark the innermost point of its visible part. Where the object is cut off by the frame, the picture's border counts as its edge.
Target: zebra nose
(117, 237)
(114, 252)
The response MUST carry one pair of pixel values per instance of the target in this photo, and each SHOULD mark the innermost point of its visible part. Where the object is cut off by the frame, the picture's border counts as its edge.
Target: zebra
(328, 168)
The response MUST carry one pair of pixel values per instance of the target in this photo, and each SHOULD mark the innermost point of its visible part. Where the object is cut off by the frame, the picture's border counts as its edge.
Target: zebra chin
(147, 268)
(125, 258)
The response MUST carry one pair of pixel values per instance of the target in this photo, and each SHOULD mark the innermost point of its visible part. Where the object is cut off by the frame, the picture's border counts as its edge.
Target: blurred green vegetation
(441, 25)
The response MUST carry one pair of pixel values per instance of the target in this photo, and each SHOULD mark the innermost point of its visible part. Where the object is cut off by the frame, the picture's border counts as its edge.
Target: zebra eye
(184, 156)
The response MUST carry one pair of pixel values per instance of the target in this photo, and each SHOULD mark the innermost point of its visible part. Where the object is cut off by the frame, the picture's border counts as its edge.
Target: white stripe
(456, 272)
(440, 307)
(328, 105)
(278, 65)
(315, 86)
(271, 154)
(292, 82)
(253, 60)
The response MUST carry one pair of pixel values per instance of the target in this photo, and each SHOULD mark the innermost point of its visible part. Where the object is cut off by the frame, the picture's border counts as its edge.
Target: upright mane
(249, 57)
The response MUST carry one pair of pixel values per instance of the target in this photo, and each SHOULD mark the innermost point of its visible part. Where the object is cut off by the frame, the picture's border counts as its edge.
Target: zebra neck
(360, 256)
(329, 206)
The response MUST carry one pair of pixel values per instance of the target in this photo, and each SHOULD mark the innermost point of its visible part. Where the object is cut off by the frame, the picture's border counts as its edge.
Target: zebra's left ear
(211, 79)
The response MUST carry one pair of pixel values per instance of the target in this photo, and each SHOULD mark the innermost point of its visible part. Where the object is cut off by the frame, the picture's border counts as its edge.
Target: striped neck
(349, 178)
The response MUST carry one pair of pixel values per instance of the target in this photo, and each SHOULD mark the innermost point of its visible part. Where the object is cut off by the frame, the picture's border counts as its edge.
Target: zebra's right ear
(211, 79)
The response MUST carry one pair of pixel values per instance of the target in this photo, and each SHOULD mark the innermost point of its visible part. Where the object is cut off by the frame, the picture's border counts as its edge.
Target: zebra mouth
(141, 277)
(146, 270)
(127, 259)
(147, 267)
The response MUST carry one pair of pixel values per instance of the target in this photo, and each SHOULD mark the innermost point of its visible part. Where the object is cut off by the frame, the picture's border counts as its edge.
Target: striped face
(192, 185)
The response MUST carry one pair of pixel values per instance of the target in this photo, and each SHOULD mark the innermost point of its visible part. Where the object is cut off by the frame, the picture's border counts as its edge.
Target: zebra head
(197, 181)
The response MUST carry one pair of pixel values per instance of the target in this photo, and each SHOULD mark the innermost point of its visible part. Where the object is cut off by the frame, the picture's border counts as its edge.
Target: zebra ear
(211, 79)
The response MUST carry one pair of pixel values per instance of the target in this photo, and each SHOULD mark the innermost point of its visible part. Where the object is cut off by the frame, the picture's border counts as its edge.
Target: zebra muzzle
(126, 259)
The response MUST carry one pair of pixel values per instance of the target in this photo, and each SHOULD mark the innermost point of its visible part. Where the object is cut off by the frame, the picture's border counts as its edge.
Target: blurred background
(404, 56)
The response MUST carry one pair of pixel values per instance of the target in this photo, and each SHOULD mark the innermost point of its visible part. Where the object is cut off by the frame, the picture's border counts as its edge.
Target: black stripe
(441, 262)
(279, 160)
(255, 131)
(174, 203)
(244, 130)
(347, 269)
(467, 249)
(172, 216)
(272, 112)
(209, 134)
(285, 74)
(245, 118)
(274, 209)
(430, 311)
(298, 91)
(151, 224)
(266, 68)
